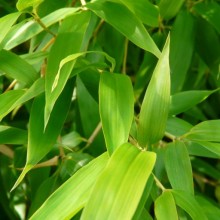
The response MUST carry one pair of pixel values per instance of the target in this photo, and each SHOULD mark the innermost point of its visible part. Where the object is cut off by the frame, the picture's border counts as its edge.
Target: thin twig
(11, 86)
(158, 183)
(49, 43)
(7, 151)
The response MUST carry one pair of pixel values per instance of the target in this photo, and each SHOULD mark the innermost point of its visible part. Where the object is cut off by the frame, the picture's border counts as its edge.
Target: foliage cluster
(109, 109)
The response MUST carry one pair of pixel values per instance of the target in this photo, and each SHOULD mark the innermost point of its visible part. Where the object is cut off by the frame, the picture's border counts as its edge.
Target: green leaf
(178, 167)
(6, 22)
(128, 24)
(71, 34)
(40, 140)
(210, 11)
(165, 207)
(183, 101)
(155, 106)
(168, 9)
(189, 204)
(113, 196)
(182, 37)
(12, 135)
(17, 68)
(116, 100)
(205, 131)
(71, 197)
(145, 10)
(23, 32)
(14, 98)
(24, 5)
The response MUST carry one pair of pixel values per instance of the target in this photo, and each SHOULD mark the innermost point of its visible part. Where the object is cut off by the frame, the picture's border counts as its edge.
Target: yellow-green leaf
(116, 100)
(28, 5)
(119, 188)
(155, 106)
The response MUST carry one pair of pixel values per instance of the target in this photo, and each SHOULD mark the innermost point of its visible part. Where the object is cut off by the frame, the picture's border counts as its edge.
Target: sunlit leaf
(165, 207)
(74, 193)
(128, 167)
(128, 24)
(155, 106)
(116, 108)
(24, 5)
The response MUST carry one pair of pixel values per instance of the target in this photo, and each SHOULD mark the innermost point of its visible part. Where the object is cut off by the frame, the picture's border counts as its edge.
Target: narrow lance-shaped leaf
(128, 24)
(145, 10)
(74, 193)
(24, 5)
(40, 140)
(165, 207)
(116, 100)
(14, 98)
(188, 203)
(71, 33)
(6, 22)
(205, 131)
(23, 32)
(182, 38)
(178, 167)
(181, 102)
(155, 106)
(17, 68)
(114, 196)
(169, 9)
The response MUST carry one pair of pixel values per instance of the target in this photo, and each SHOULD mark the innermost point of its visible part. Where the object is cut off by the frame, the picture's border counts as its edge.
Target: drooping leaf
(205, 131)
(6, 23)
(23, 32)
(145, 10)
(113, 196)
(189, 204)
(182, 37)
(182, 101)
(168, 9)
(165, 207)
(128, 24)
(12, 135)
(71, 34)
(14, 98)
(40, 140)
(74, 193)
(178, 167)
(116, 108)
(210, 11)
(155, 106)
(17, 68)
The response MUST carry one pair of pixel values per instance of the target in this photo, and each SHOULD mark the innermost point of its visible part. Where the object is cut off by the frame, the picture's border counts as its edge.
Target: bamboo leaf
(113, 196)
(73, 193)
(116, 108)
(165, 207)
(17, 68)
(205, 131)
(40, 140)
(178, 167)
(6, 23)
(12, 135)
(24, 5)
(183, 101)
(189, 204)
(23, 32)
(155, 106)
(182, 37)
(145, 10)
(128, 24)
(14, 98)
(72, 34)
(168, 9)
